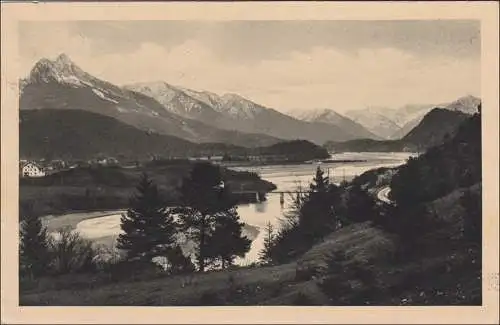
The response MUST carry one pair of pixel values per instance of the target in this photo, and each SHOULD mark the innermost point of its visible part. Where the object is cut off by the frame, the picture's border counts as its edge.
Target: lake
(104, 229)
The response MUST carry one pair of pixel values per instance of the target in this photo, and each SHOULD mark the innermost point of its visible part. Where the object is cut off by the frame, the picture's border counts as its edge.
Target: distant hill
(78, 134)
(82, 135)
(432, 130)
(61, 84)
(295, 150)
(329, 116)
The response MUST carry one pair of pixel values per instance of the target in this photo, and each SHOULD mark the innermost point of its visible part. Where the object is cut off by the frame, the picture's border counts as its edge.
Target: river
(104, 229)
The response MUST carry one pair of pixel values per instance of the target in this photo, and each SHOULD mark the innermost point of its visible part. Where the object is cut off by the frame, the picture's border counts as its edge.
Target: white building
(32, 170)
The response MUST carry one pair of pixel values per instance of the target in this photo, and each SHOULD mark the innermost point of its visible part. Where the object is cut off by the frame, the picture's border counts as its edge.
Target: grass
(260, 285)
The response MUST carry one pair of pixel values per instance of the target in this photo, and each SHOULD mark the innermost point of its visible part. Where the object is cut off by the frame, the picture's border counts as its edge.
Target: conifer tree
(266, 253)
(148, 226)
(34, 245)
(320, 181)
(207, 205)
(226, 241)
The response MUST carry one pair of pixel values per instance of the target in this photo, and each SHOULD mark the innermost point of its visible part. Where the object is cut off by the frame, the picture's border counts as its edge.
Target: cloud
(321, 76)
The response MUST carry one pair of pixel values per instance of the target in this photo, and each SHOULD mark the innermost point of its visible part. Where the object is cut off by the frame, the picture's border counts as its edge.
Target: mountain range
(171, 110)
(434, 128)
(61, 84)
(187, 116)
(395, 123)
(234, 112)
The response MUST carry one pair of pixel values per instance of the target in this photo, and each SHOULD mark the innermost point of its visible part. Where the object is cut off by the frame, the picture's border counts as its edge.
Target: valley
(249, 205)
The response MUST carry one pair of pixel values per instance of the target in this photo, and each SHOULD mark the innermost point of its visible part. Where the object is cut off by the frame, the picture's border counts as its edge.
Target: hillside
(453, 164)
(82, 135)
(61, 84)
(352, 267)
(433, 128)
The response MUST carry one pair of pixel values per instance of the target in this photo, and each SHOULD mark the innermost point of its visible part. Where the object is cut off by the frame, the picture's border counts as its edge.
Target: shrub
(70, 252)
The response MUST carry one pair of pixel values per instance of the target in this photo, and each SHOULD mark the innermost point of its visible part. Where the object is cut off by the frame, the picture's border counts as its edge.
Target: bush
(136, 270)
(71, 253)
(306, 271)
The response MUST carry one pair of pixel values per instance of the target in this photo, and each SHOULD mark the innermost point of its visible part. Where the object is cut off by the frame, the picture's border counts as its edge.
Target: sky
(342, 65)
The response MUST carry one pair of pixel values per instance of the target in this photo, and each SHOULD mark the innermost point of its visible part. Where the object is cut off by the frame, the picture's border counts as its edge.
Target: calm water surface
(286, 177)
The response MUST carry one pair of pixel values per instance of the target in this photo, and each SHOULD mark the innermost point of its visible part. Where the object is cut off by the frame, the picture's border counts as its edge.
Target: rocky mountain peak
(61, 69)
(468, 104)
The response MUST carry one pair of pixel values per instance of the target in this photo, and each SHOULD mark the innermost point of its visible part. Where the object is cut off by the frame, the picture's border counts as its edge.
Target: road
(383, 195)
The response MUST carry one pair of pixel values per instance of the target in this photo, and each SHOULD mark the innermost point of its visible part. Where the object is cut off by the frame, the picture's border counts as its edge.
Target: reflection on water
(286, 178)
(261, 207)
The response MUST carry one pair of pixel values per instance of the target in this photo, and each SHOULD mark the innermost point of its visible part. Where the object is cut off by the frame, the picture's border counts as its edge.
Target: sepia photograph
(240, 162)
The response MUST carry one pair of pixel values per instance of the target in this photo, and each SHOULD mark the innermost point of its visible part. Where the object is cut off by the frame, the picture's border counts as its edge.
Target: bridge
(272, 192)
(260, 196)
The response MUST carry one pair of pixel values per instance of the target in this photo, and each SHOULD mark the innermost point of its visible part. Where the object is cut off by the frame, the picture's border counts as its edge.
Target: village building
(32, 169)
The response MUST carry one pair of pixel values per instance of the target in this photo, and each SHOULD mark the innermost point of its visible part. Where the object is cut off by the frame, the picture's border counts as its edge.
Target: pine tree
(317, 216)
(226, 241)
(34, 246)
(266, 254)
(148, 226)
(204, 201)
(320, 182)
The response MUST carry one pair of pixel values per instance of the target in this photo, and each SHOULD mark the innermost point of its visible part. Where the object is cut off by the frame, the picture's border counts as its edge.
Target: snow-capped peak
(62, 70)
(238, 106)
(157, 89)
(318, 115)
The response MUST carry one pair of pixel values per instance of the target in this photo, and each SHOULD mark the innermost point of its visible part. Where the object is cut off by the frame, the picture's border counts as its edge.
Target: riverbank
(109, 188)
(103, 227)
